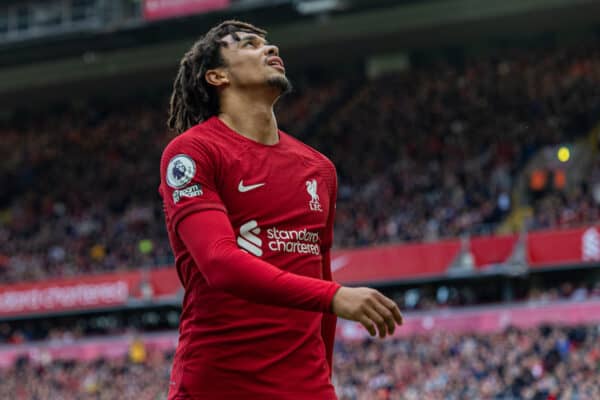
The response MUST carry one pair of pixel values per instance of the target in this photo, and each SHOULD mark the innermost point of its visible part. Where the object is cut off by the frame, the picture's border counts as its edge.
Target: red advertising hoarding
(69, 294)
(164, 9)
(393, 262)
(373, 265)
(490, 250)
(563, 247)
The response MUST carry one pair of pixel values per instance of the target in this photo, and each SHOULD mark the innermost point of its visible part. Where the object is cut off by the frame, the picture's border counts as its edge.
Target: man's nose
(272, 50)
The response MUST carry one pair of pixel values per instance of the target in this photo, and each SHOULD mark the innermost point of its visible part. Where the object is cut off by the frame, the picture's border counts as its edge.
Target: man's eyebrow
(252, 37)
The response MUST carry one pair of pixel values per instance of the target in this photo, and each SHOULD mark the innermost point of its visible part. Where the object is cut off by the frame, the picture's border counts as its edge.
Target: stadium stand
(548, 362)
(100, 379)
(543, 363)
(471, 128)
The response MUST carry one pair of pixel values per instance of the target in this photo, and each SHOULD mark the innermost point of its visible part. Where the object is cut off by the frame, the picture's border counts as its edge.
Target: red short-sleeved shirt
(278, 199)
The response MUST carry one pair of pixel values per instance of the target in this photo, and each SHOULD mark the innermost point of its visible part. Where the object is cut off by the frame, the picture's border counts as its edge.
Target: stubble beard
(280, 82)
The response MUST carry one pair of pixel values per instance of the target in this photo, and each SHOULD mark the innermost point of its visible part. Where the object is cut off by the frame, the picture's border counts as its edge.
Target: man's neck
(251, 117)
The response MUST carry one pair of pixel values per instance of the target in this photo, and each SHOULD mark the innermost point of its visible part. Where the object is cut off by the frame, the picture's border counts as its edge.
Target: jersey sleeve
(188, 173)
(228, 268)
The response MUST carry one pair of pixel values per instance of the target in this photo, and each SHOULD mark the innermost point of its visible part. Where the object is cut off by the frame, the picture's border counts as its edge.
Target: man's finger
(392, 306)
(397, 315)
(378, 320)
(366, 322)
(388, 317)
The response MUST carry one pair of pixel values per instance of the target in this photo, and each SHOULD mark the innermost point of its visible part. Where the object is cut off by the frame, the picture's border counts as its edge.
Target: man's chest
(290, 192)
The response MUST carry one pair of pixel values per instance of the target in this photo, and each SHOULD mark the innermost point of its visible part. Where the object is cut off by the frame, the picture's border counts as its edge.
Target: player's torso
(278, 201)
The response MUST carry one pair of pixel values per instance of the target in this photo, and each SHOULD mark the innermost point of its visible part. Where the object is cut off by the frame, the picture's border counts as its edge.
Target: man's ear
(217, 77)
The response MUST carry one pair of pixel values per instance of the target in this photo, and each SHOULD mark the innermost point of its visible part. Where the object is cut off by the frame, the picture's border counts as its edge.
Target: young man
(250, 211)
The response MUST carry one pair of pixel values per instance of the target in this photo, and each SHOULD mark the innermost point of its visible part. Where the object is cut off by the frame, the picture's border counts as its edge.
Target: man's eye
(248, 44)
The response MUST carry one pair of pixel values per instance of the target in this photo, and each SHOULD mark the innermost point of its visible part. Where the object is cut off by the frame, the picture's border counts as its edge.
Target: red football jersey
(280, 200)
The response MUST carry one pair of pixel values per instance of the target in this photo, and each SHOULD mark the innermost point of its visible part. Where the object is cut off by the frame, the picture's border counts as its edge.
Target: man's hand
(369, 307)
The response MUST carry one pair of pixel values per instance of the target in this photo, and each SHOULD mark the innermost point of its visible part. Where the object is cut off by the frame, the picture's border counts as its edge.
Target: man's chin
(280, 82)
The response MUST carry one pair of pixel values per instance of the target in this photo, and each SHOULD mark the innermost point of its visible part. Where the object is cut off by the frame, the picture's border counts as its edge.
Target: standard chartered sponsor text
(79, 295)
(300, 241)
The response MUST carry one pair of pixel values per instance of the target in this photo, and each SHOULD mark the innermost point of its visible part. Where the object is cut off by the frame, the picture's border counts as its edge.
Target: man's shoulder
(198, 138)
(309, 152)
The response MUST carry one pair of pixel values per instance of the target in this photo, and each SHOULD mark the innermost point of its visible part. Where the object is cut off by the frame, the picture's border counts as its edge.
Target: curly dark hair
(193, 99)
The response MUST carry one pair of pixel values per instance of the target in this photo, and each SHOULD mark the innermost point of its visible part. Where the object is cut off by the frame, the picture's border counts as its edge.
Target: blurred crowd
(434, 297)
(145, 378)
(69, 329)
(545, 363)
(81, 194)
(434, 152)
(570, 207)
(423, 154)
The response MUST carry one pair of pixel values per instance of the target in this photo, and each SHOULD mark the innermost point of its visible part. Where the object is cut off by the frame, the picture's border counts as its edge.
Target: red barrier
(69, 294)
(488, 250)
(165, 282)
(560, 247)
(163, 9)
(394, 262)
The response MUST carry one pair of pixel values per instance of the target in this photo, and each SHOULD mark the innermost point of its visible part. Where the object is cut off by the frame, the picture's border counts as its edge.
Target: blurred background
(466, 137)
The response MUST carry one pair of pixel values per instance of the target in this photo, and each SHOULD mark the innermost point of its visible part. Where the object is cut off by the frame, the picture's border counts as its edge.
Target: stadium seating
(424, 154)
(541, 363)
(434, 152)
(547, 362)
(99, 379)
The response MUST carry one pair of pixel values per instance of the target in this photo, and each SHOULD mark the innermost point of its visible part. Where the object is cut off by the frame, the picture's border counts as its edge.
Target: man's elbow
(219, 271)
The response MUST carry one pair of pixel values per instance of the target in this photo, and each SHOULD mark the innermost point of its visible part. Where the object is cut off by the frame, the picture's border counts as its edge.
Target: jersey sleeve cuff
(328, 298)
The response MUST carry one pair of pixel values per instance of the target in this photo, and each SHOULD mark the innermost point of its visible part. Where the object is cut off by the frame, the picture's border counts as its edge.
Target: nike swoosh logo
(339, 263)
(248, 188)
